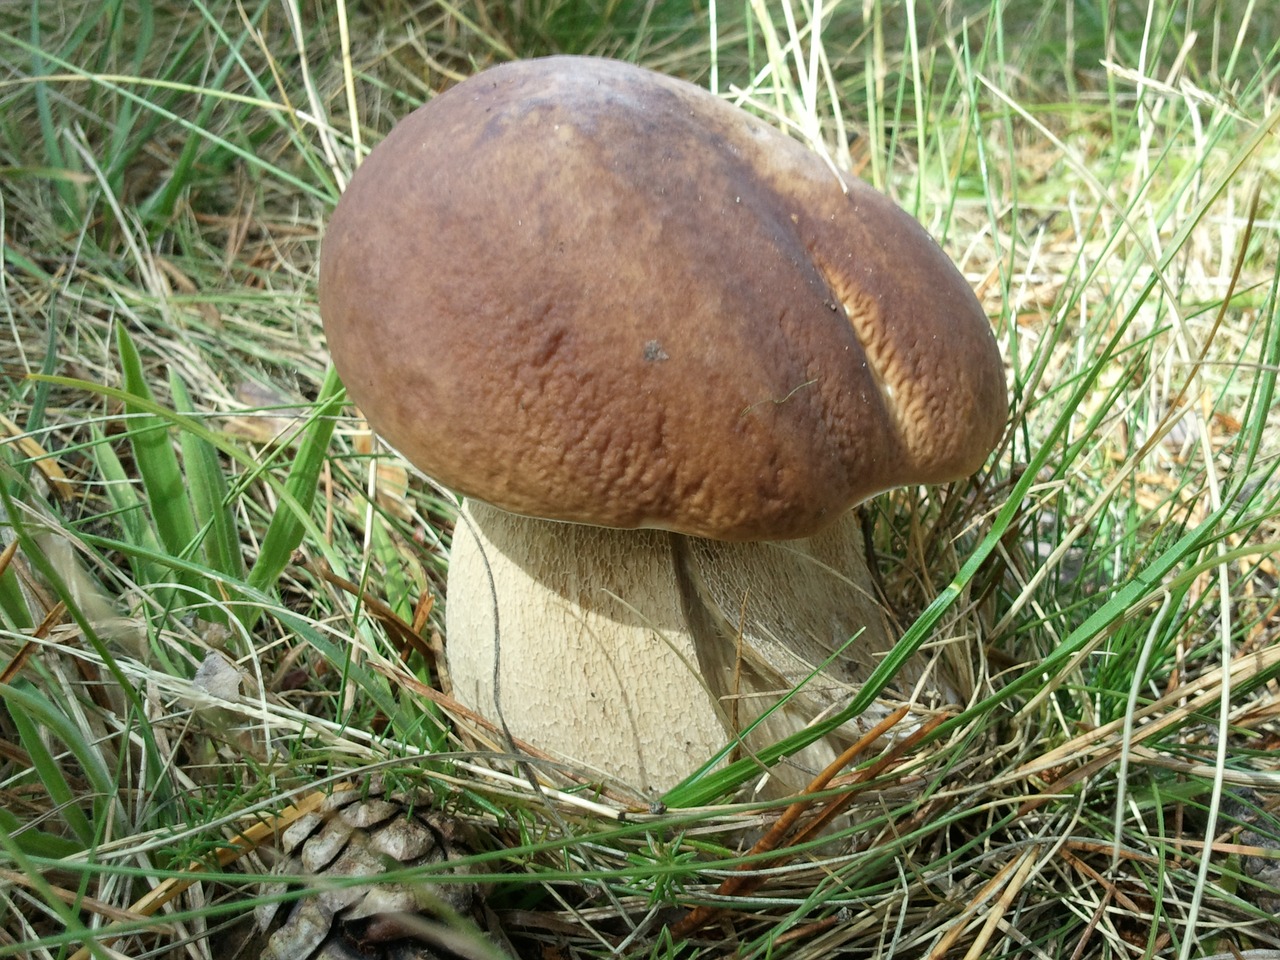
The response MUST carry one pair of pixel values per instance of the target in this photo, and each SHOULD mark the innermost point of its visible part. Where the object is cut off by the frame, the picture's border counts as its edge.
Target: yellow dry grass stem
(1058, 201)
(73, 898)
(38, 455)
(1009, 880)
(1120, 741)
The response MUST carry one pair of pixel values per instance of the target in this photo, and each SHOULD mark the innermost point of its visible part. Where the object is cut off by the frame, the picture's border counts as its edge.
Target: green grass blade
(31, 715)
(34, 867)
(157, 461)
(210, 496)
(130, 512)
(122, 86)
(13, 605)
(160, 206)
(13, 602)
(37, 843)
(303, 477)
(289, 522)
(53, 154)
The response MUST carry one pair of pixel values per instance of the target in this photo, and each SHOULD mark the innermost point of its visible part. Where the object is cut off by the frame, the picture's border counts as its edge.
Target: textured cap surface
(584, 291)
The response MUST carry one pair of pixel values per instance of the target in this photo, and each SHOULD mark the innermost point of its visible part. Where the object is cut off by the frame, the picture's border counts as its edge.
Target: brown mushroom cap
(580, 290)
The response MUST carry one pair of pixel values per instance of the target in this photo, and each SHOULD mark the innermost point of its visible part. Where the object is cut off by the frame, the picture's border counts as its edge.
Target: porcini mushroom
(663, 349)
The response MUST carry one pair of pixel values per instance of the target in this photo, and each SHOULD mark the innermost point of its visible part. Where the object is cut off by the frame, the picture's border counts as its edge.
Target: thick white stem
(590, 660)
(639, 654)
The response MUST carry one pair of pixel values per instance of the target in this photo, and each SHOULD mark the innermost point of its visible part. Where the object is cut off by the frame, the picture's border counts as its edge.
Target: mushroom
(663, 349)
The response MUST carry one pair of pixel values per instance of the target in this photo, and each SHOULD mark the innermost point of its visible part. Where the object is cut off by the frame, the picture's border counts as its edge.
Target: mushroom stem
(590, 659)
(640, 653)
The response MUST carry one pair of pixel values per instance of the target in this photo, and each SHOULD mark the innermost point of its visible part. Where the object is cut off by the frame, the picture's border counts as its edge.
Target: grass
(183, 492)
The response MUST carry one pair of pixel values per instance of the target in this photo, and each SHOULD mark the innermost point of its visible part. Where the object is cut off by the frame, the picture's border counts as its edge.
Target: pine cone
(1255, 813)
(362, 833)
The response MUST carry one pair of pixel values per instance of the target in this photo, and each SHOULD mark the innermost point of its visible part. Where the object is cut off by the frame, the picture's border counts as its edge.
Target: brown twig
(742, 882)
(51, 620)
(838, 806)
(382, 612)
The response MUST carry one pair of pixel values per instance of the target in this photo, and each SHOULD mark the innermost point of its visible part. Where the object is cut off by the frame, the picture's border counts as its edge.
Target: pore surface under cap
(581, 290)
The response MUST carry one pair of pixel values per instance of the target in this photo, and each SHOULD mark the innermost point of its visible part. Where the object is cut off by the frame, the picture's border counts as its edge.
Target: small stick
(842, 803)
(699, 916)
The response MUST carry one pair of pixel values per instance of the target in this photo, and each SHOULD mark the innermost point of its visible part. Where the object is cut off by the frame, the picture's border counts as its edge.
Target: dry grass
(1111, 190)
